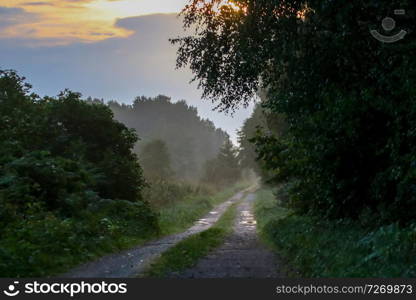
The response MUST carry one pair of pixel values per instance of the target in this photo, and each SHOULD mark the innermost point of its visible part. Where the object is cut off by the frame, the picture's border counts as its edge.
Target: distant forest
(190, 140)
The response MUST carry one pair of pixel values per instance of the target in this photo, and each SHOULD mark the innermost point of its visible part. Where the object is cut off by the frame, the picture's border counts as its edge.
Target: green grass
(187, 252)
(339, 248)
(47, 245)
(267, 209)
(181, 215)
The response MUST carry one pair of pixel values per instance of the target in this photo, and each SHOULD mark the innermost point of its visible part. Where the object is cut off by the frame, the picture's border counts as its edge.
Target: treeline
(182, 155)
(189, 140)
(339, 105)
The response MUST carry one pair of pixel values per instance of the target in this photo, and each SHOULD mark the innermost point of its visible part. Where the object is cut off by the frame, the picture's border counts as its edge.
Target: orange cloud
(66, 21)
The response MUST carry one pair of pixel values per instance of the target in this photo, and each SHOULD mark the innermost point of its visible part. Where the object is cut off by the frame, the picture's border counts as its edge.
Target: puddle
(202, 222)
(241, 256)
(247, 219)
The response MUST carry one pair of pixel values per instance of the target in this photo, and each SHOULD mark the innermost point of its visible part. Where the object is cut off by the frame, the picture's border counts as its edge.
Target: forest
(160, 119)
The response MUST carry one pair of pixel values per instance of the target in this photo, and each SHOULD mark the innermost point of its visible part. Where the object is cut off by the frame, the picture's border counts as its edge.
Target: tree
(155, 160)
(262, 123)
(88, 130)
(348, 99)
(224, 169)
(70, 184)
(79, 142)
(247, 152)
(190, 139)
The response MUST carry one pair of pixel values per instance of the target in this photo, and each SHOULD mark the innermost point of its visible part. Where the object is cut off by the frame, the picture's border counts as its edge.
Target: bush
(70, 185)
(44, 243)
(317, 247)
(320, 248)
(161, 193)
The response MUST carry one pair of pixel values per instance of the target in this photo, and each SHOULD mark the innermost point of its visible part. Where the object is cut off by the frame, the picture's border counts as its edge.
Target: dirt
(134, 261)
(241, 256)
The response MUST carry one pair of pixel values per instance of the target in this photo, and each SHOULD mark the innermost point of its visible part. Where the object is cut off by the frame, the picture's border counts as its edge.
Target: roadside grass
(182, 214)
(173, 218)
(46, 245)
(267, 209)
(336, 248)
(186, 253)
(73, 243)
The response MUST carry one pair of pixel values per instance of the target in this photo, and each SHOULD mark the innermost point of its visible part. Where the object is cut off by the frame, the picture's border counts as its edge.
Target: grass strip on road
(187, 252)
(181, 215)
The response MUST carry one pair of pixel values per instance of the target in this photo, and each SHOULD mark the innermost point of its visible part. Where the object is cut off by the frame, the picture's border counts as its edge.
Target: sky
(110, 49)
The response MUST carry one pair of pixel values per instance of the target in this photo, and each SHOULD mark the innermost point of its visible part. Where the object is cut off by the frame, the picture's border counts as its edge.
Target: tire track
(241, 256)
(132, 262)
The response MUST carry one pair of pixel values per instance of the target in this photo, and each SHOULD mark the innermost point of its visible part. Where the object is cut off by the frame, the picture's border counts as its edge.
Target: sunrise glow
(65, 21)
(129, 8)
(57, 22)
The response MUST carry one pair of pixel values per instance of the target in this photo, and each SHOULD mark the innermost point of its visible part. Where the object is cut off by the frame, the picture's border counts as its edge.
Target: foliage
(187, 252)
(261, 124)
(247, 152)
(190, 140)
(155, 161)
(224, 170)
(164, 193)
(178, 216)
(348, 100)
(267, 208)
(70, 185)
(323, 248)
(105, 142)
(44, 243)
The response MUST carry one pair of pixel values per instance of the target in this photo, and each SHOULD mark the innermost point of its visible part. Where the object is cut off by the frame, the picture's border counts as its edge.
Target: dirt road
(133, 262)
(241, 256)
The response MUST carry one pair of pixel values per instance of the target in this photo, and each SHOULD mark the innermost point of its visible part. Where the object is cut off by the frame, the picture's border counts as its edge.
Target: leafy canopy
(348, 99)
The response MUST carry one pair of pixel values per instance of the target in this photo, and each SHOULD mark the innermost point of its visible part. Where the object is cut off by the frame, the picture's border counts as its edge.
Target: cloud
(143, 63)
(69, 21)
(157, 22)
(115, 68)
(44, 22)
(10, 16)
(38, 3)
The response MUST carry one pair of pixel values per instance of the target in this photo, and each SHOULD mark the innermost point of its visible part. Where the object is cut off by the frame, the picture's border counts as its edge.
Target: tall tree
(63, 152)
(224, 169)
(247, 152)
(348, 99)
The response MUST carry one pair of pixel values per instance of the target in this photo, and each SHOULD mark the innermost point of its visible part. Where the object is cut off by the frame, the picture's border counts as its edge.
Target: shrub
(70, 185)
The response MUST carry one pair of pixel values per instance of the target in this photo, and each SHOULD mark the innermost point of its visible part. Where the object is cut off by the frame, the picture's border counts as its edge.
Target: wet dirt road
(241, 256)
(133, 262)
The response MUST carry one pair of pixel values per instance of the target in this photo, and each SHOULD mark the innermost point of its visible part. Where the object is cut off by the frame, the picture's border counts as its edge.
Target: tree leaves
(345, 96)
